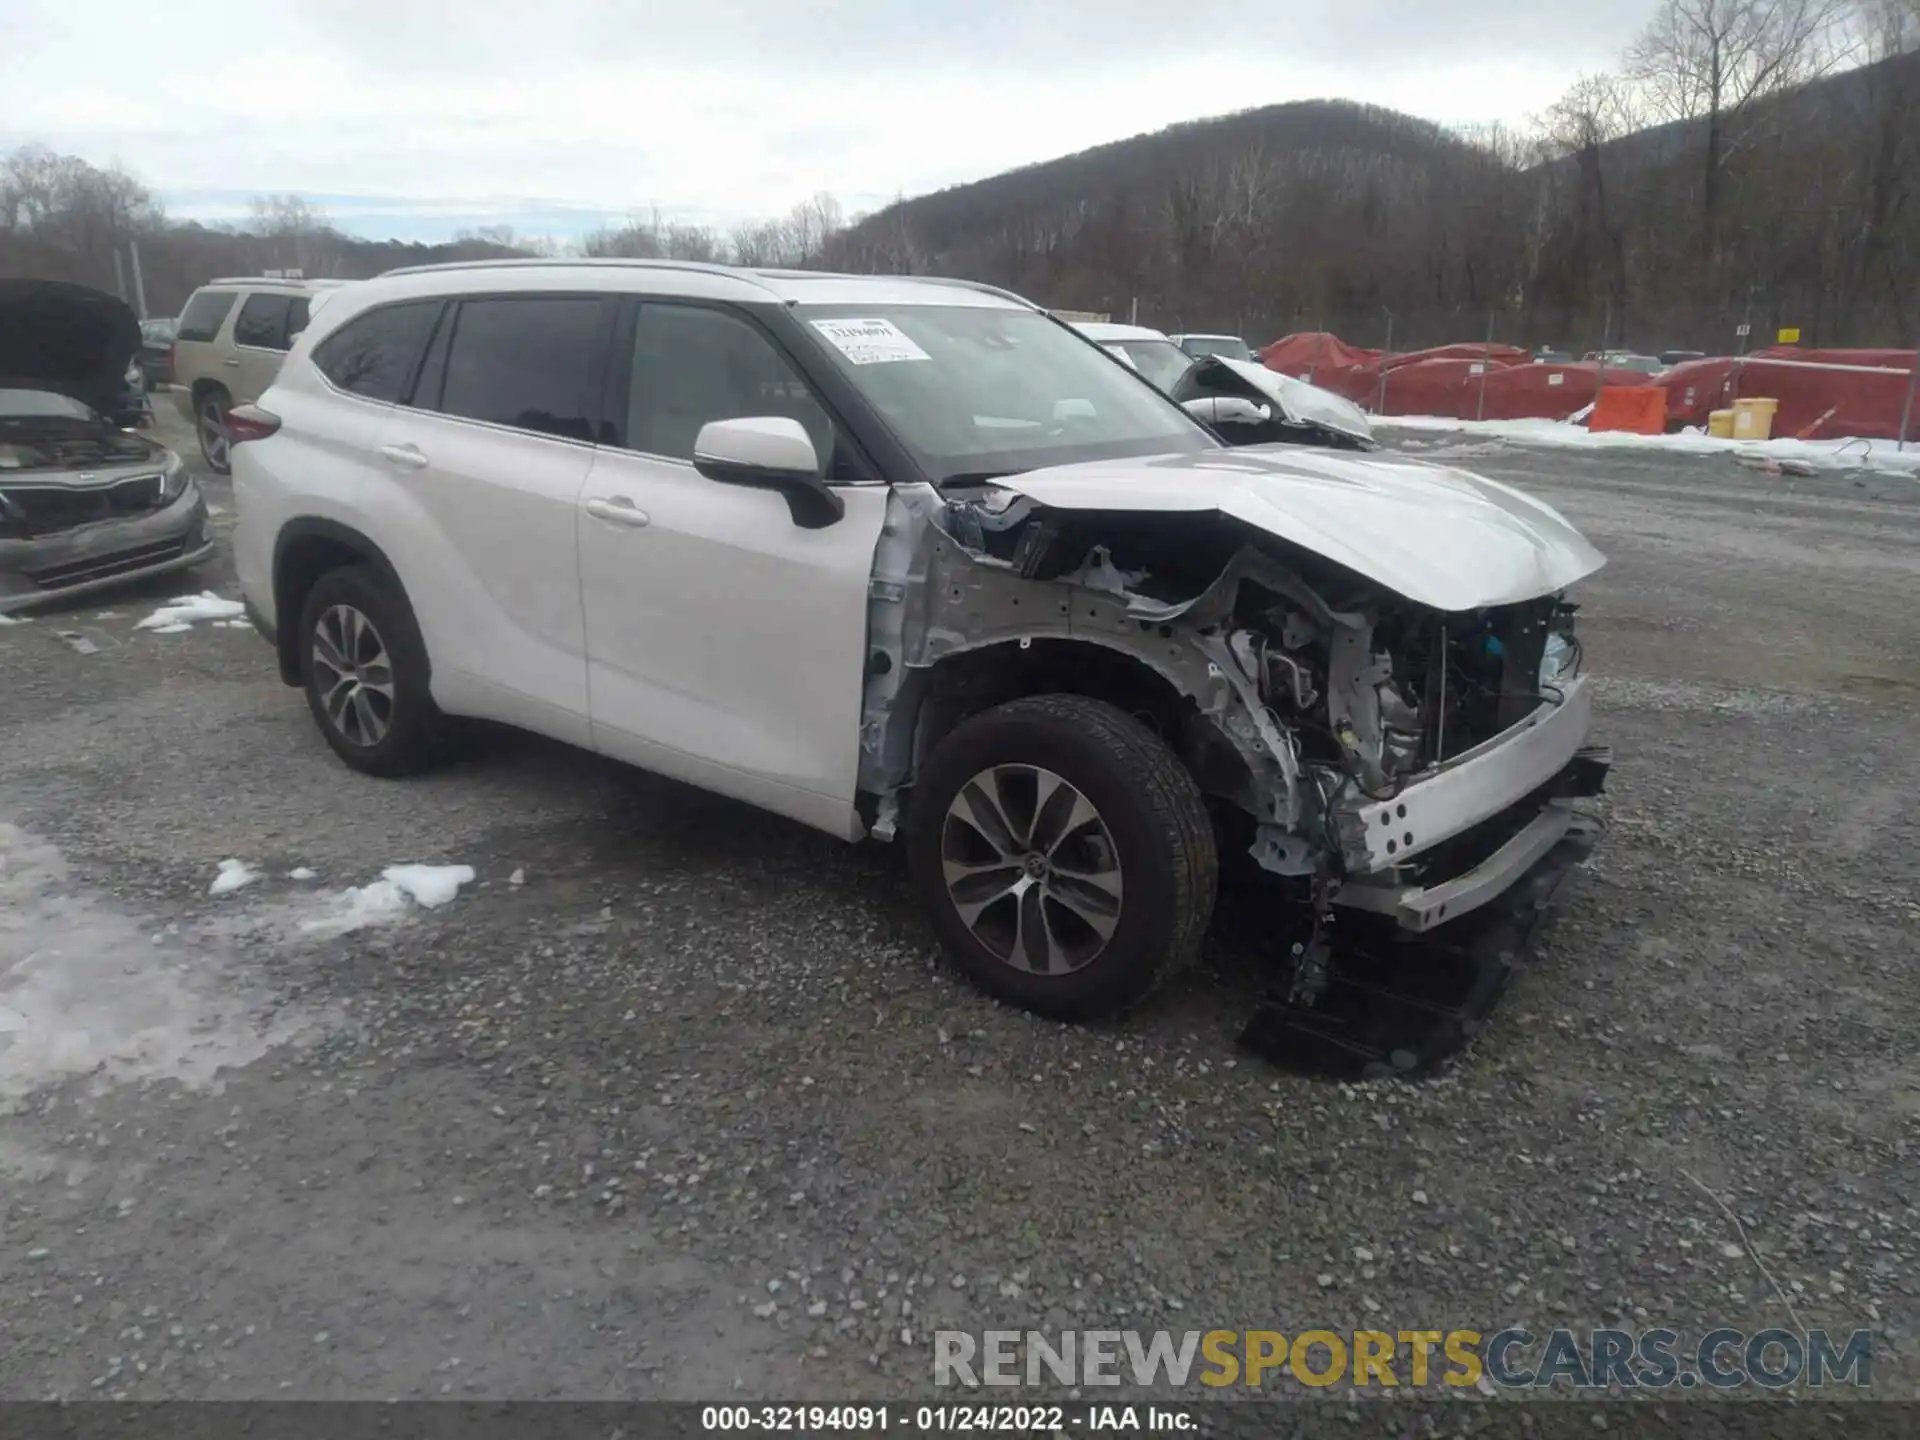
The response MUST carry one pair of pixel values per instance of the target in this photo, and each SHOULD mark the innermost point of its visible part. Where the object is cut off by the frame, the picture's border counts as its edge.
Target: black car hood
(69, 339)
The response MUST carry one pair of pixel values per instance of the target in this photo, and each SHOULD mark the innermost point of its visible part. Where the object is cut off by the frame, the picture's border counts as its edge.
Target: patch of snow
(519, 877)
(84, 991)
(180, 613)
(300, 873)
(233, 874)
(8, 620)
(387, 899)
(430, 885)
(1882, 455)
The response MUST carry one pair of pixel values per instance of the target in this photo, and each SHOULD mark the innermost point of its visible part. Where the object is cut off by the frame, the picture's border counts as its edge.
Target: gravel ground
(676, 1099)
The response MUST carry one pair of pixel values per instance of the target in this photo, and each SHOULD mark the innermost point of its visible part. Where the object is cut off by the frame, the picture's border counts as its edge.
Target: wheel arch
(306, 548)
(965, 682)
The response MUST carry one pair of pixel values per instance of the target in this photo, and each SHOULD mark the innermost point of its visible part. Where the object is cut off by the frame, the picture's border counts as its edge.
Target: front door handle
(407, 457)
(230, 360)
(619, 509)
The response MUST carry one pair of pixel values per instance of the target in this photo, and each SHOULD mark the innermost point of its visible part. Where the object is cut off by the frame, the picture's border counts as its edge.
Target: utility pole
(1486, 362)
(139, 283)
(1913, 384)
(1380, 404)
(119, 274)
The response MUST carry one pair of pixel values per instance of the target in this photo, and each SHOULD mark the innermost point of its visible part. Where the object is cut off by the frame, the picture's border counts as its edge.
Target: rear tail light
(250, 422)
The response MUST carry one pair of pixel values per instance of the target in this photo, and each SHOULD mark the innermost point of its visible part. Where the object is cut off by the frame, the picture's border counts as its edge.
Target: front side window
(979, 391)
(206, 312)
(262, 323)
(693, 365)
(375, 355)
(527, 361)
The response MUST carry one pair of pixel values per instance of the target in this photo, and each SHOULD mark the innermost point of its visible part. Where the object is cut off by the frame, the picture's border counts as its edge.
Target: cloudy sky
(416, 119)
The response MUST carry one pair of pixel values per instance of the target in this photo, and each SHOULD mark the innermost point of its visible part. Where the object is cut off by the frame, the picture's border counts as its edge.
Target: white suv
(907, 556)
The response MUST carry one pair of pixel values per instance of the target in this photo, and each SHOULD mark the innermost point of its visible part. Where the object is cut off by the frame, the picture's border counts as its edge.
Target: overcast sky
(550, 115)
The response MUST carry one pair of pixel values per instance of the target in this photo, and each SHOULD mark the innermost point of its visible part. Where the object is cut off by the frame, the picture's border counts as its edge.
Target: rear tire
(364, 668)
(1064, 854)
(210, 424)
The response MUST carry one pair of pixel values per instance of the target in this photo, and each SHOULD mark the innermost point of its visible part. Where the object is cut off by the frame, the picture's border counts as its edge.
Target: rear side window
(376, 354)
(206, 312)
(263, 321)
(526, 361)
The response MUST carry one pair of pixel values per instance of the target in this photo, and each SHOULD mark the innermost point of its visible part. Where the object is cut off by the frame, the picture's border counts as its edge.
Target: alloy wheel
(1031, 869)
(353, 676)
(213, 434)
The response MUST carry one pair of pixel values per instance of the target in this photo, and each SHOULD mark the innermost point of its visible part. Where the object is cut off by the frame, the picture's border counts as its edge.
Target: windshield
(1230, 346)
(981, 391)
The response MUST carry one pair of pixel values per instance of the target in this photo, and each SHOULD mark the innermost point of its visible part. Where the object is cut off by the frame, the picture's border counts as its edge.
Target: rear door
(475, 490)
(262, 335)
(725, 644)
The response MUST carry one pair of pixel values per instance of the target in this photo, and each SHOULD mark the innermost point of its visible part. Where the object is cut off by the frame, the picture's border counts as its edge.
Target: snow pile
(85, 991)
(180, 613)
(233, 874)
(1883, 455)
(8, 620)
(389, 898)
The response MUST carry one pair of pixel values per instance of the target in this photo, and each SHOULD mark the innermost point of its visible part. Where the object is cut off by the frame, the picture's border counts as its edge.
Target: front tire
(1064, 854)
(364, 668)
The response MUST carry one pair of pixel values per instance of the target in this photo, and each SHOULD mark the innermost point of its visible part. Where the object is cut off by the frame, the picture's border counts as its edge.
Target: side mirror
(769, 452)
(1227, 409)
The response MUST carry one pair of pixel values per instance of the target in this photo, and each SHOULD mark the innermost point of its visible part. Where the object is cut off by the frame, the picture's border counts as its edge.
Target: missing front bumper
(1399, 1003)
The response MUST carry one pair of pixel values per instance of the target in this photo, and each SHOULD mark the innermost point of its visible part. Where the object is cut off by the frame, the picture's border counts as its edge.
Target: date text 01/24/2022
(936, 1419)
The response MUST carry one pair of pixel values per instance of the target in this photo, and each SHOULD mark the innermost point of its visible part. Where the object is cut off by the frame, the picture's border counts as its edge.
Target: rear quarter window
(206, 312)
(376, 354)
(263, 321)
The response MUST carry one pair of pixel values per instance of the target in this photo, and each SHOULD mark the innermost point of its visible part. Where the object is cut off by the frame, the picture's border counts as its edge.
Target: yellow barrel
(1720, 424)
(1753, 419)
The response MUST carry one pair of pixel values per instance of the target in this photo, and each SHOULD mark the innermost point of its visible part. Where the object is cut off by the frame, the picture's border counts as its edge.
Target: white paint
(84, 991)
(1440, 537)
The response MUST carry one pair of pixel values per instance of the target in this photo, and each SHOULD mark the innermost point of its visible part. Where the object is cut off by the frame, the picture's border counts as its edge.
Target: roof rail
(918, 279)
(529, 262)
(275, 280)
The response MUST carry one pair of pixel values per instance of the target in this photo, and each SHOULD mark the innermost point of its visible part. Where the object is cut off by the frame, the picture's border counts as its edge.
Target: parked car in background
(1670, 358)
(228, 343)
(1231, 347)
(156, 352)
(1626, 360)
(1546, 356)
(84, 503)
(981, 591)
(1151, 352)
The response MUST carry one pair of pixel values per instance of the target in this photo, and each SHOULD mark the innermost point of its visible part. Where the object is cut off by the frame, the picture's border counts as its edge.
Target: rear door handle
(407, 457)
(619, 509)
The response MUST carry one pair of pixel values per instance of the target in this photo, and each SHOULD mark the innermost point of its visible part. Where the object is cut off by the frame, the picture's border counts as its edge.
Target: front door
(725, 644)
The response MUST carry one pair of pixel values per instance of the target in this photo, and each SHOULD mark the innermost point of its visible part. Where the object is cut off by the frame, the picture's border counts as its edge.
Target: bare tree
(1714, 60)
(285, 215)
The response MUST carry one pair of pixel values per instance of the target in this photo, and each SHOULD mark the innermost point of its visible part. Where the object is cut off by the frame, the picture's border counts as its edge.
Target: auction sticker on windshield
(870, 342)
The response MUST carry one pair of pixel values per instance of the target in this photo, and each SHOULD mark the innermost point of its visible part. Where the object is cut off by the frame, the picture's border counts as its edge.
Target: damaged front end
(1402, 766)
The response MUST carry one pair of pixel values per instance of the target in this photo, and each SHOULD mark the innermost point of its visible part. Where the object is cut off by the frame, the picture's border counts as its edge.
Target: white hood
(1441, 538)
